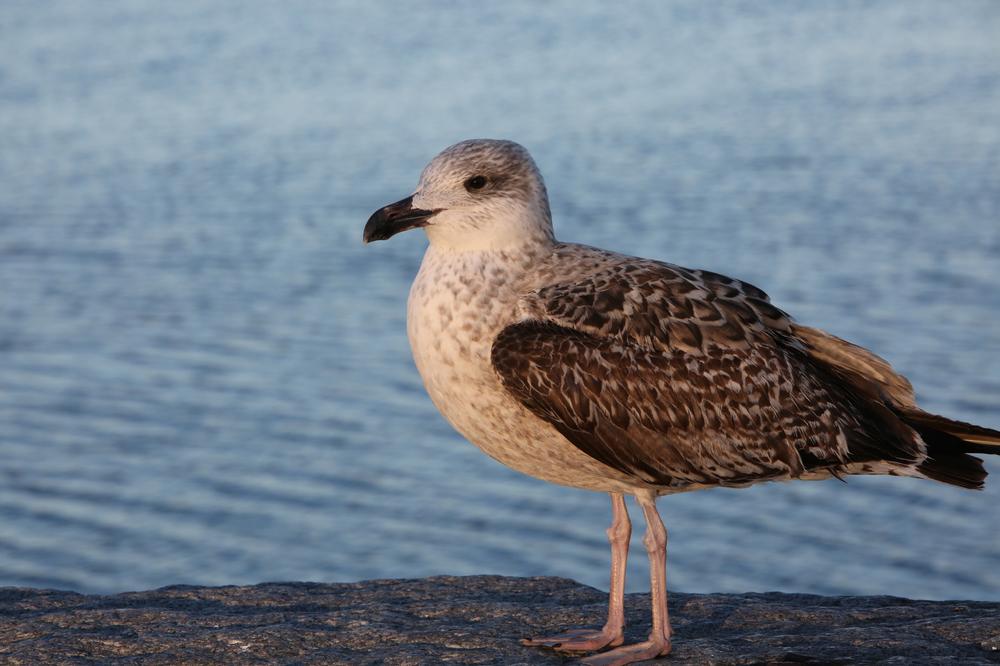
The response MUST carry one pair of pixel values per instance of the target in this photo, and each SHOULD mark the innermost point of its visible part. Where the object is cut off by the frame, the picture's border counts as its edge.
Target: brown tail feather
(972, 438)
(949, 444)
(960, 470)
(882, 389)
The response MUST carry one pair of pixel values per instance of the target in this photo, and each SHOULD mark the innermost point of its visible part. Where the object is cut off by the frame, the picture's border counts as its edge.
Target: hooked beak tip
(397, 217)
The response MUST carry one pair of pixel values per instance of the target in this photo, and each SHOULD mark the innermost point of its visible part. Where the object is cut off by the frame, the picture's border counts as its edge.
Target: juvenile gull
(597, 370)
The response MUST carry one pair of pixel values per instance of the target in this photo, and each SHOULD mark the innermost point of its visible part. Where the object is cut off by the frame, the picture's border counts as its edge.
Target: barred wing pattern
(685, 378)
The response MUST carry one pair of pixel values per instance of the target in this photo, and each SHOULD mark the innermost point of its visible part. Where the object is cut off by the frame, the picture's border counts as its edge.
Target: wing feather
(682, 377)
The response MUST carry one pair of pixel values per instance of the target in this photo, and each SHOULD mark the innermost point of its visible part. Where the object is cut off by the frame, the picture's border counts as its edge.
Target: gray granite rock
(473, 620)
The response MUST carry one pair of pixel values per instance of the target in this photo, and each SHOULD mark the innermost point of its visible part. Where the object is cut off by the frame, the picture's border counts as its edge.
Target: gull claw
(578, 640)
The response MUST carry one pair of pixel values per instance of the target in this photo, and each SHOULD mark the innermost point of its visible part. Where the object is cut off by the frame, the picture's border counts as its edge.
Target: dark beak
(396, 217)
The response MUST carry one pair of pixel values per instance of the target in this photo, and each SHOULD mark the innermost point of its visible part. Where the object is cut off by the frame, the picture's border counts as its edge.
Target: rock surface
(473, 620)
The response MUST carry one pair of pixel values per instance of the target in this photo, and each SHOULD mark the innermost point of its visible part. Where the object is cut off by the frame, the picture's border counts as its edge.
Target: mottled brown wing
(662, 306)
(679, 377)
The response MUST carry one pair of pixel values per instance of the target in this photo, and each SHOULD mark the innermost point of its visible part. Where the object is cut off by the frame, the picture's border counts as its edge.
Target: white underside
(458, 304)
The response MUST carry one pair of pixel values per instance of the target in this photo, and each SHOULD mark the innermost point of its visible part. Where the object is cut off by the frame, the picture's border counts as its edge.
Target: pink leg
(612, 633)
(658, 643)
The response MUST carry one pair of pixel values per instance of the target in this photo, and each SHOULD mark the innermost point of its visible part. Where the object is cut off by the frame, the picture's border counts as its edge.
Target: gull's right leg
(612, 634)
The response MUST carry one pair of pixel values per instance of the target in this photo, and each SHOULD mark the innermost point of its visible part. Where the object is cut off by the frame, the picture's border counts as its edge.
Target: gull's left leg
(658, 643)
(612, 634)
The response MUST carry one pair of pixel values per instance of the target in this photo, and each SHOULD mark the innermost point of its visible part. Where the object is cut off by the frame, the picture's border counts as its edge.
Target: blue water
(204, 376)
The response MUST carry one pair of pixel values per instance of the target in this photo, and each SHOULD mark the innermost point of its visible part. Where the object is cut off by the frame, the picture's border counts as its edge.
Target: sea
(204, 374)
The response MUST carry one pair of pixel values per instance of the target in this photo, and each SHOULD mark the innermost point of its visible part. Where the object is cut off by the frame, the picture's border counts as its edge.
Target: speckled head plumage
(476, 194)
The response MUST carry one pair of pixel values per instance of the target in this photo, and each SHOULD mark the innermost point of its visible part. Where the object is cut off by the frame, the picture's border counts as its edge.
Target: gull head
(479, 194)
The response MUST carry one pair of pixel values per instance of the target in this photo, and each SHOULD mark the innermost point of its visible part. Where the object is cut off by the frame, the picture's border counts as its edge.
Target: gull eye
(475, 183)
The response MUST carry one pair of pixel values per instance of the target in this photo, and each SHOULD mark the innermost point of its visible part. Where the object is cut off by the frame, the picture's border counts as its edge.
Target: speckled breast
(457, 305)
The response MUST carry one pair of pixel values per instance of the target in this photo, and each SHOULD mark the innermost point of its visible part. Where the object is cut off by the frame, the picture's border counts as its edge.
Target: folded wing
(683, 378)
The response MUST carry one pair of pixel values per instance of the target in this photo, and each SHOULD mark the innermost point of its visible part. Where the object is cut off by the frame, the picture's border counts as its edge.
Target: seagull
(630, 376)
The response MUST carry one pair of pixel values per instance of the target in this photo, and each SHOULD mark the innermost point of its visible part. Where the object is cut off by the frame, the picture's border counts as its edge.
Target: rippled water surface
(204, 376)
